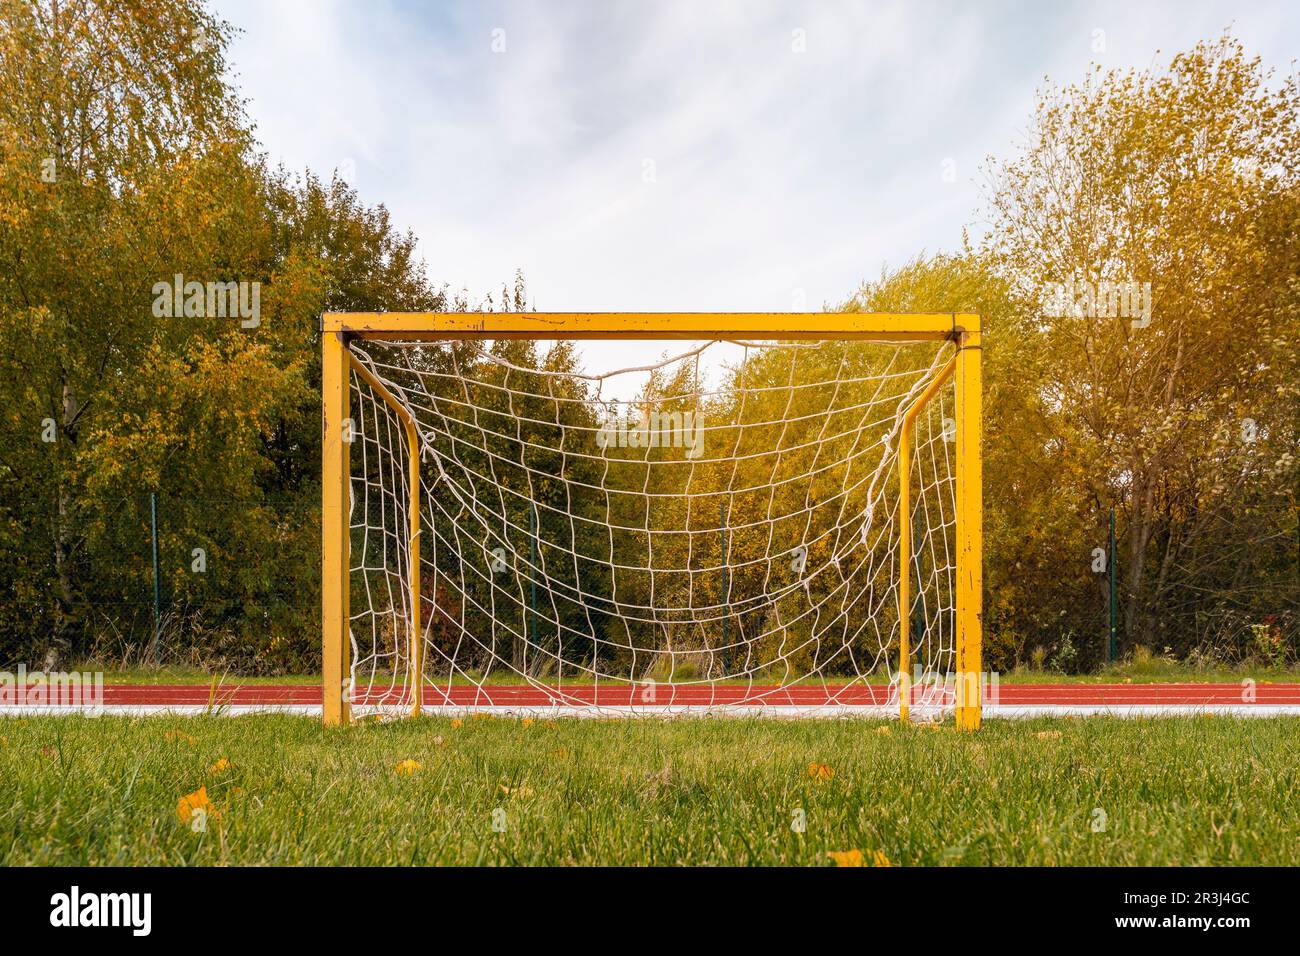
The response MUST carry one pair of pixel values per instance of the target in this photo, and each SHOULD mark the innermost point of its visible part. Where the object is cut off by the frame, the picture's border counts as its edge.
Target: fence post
(726, 582)
(532, 574)
(157, 590)
(1112, 646)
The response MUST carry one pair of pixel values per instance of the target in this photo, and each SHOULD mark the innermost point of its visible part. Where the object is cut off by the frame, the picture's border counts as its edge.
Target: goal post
(664, 569)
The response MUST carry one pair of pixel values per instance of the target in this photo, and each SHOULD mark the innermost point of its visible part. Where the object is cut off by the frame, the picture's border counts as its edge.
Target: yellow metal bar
(335, 647)
(893, 327)
(416, 654)
(970, 532)
(905, 533)
(962, 328)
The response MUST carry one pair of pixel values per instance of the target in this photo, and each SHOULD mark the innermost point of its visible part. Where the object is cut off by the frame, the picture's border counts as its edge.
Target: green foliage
(126, 159)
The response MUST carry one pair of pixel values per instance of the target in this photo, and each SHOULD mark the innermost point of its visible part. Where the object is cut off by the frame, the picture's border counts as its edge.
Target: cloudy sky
(696, 155)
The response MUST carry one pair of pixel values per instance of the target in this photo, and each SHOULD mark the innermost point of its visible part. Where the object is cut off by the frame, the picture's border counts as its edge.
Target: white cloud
(775, 172)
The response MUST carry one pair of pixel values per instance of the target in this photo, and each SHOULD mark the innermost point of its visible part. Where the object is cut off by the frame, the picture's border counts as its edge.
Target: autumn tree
(1183, 416)
(125, 161)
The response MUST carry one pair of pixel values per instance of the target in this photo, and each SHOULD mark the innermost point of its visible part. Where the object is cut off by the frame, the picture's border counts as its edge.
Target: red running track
(623, 695)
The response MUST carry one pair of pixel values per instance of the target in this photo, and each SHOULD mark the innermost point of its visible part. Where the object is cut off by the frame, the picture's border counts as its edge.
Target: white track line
(877, 711)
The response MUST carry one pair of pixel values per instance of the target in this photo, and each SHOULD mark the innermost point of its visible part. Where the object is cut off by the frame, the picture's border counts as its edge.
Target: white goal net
(718, 527)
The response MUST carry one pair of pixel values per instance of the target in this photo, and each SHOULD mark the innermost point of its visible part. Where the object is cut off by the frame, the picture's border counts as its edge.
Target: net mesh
(690, 532)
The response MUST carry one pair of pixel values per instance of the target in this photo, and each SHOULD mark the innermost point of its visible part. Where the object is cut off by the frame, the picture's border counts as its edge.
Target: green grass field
(696, 791)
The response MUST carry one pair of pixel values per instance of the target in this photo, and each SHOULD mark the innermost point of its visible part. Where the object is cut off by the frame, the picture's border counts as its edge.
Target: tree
(125, 161)
(1037, 585)
(1184, 418)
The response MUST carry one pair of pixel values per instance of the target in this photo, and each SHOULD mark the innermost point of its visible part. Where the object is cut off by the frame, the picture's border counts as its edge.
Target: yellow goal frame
(337, 363)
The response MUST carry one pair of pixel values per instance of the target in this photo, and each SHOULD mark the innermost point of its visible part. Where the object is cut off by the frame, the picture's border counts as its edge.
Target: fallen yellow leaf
(855, 858)
(188, 804)
(820, 772)
(408, 766)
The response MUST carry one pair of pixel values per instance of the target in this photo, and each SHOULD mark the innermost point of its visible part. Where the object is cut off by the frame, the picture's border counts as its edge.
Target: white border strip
(796, 711)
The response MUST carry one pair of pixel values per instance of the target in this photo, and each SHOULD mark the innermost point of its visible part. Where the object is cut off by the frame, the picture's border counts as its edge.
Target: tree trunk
(1139, 534)
(65, 623)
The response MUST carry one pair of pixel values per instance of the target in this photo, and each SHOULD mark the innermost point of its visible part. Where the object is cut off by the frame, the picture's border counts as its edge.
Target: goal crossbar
(338, 364)
(877, 326)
